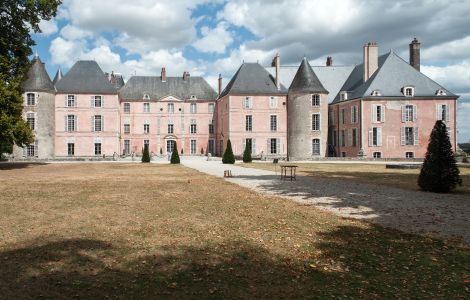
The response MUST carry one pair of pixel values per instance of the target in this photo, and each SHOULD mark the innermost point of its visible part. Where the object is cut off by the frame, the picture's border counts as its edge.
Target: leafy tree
(175, 158)
(439, 172)
(145, 154)
(228, 157)
(247, 153)
(17, 19)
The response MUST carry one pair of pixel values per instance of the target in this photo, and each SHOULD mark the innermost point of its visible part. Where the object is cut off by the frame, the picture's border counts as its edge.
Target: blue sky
(208, 38)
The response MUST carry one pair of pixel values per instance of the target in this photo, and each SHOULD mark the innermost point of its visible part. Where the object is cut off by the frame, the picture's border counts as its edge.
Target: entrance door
(170, 145)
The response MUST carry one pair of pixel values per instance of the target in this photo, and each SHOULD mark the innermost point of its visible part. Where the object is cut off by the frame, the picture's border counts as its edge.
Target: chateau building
(383, 107)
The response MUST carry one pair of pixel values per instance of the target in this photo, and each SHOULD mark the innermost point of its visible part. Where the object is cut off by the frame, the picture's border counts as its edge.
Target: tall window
(409, 136)
(273, 102)
(97, 101)
(315, 122)
(248, 123)
(146, 107)
(31, 150)
(127, 128)
(193, 127)
(443, 112)
(211, 107)
(193, 148)
(211, 126)
(127, 147)
(409, 113)
(70, 123)
(170, 145)
(354, 137)
(375, 136)
(378, 113)
(97, 148)
(127, 107)
(70, 100)
(70, 149)
(98, 123)
(354, 114)
(170, 127)
(315, 146)
(343, 116)
(146, 128)
(273, 123)
(248, 102)
(273, 146)
(171, 107)
(31, 120)
(31, 99)
(315, 100)
(343, 138)
(193, 108)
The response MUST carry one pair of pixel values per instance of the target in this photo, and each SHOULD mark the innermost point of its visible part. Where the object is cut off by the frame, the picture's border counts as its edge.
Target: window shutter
(75, 121)
(253, 146)
(278, 146)
(340, 138)
(403, 113)
(244, 145)
(371, 137)
(438, 111)
(102, 101)
(350, 143)
(415, 113)
(374, 113)
(65, 100)
(447, 112)
(416, 136)
(268, 146)
(402, 136)
(352, 114)
(65, 123)
(25, 152)
(102, 123)
(92, 102)
(379, 136)
(382, 113)
(93, 123)
(36, 148)
(36, 98)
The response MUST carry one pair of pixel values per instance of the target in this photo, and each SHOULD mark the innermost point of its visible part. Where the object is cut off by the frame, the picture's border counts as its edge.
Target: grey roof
(305, 80)
(252, 78)
(137, 86)
(331, 77)
(117, 80)
(37, 79)
(58, 76)
(85, 76)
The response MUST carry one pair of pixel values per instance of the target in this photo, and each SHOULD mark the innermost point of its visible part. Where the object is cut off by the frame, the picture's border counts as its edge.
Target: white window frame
(95, 121)
(193, 146)
(35, 96)
(146, 107)
(193, 108)
(409, 89)
(73, 148)
(100, 148)
(316, 126)
(315, 100)
(170, 127)
(94, 100)
(377, 131)
(127, 107)
(248, 123)
(146, 127)
(70, 99)
(34, 121)
(193, 127)
(409, 156)
(375, 113)
(273, 125)
(405, 113)
(342, 115)
(170, 108)
(440, 112)
(316, 152)
(127, 128)
(343, 96)
(277, 147)
(248, 102)
(127, 147)
(210, 107)
(354, 112)
(377, 154)
(71, 123)
(273, 102)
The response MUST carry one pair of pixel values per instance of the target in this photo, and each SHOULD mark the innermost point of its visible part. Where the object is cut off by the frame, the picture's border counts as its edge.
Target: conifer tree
(439, 172)
(228, 157)
(175, 158)
(145, 154)
(247, 153)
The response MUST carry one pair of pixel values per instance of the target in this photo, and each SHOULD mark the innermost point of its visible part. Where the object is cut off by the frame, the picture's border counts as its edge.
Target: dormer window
(408, 91)
(343, 96)
(376, 93)
(440, 92)
(193, 97)
(146, 97)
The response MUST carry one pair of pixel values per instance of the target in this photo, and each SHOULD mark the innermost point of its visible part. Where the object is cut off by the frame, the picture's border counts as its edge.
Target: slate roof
(306, 81)
(37, 78)
(137, 86)
(84, 77)
(58, 76)
(252, 78)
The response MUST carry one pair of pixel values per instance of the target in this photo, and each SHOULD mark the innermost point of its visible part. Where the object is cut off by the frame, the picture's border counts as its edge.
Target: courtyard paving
(436, 215)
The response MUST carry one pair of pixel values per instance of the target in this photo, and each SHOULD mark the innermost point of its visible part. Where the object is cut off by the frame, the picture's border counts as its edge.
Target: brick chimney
(220, 84)
(371, 59)
(163, 76)
(277, 64)
(415, 54)
(185, 76)
(329, 61)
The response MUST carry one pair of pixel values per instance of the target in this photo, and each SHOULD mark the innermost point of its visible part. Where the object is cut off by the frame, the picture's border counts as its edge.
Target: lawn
(366, 173)
(161, 231)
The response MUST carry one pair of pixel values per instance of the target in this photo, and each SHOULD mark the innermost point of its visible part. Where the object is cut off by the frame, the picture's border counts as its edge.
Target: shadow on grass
(19, 165)
(352, 261)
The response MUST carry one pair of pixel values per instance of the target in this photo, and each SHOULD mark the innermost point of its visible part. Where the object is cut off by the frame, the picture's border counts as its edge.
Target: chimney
(220, 84)
(329, 61)
(112, 79)
(415, 54)
(163, 76)
(371, 59)
(277, 64)
(185, 76)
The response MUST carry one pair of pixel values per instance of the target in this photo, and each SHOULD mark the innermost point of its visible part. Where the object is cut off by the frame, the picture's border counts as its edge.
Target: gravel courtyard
(437, 215)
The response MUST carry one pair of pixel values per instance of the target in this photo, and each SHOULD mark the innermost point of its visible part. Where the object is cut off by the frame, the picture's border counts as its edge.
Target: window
(193, 148)
(354, 114)
(147, 144)
(170, 127)
(375, 136)
(342, 138)
(31, 120)
(70, 101)
(274, 146)
(409, 113)
(193, 108)
(30, 99)
(409, 91)
(343, 154)
(377, 154)
(378, 113)
(193, 127)
(146, 128)
(146, 107)
(443, 112)
(211, 147)
(70, 122)
(193, 97)
(248, 102)
(97, 123)
(211, 107)
(333, 138)
(171, 108)
(127, 107)
(127, 147)
(146, 97)
(31, 150)
(97, 148)
(273, 102)
(97, 101)
(409, 155)
(441, 92)
(315, 146)
(248, 142)
(127, 128)
(354, 137)
(409, 136)
(170, 146)
(315, 122)
(248, 123)
(211, 126)
(331, 118)
(315, 100)
(70, 149)
(343, 96)
(343, 116)
(273, 123)
(376, 93)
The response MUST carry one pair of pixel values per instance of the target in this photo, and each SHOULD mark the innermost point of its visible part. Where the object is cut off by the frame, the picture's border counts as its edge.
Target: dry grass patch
(152, 231)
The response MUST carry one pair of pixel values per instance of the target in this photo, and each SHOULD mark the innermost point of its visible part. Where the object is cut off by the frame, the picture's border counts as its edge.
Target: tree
(439, 172)
(17, 19)
(247, 153)
(145, 154)
(175, 158)
(228, 157)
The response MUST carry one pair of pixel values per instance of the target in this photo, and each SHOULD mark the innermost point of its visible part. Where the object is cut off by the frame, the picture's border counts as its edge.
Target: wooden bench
(288, 175)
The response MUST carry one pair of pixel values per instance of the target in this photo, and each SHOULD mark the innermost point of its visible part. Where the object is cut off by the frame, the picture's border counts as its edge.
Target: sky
(208, 38)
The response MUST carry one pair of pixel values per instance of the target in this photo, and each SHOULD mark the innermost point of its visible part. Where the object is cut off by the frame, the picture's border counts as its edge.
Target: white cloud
(453, 50)
(214, 40)
(65, 52)
(455, 77)
(48, 27)
(72, 32)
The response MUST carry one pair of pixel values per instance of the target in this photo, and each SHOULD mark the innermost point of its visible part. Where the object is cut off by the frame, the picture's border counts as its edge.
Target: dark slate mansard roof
(85, 76)
(306, 81)
(252, 78)
(137, 86)
(37, 78)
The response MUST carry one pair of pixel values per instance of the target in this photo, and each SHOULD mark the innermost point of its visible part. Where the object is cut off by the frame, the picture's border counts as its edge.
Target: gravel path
(443, 216)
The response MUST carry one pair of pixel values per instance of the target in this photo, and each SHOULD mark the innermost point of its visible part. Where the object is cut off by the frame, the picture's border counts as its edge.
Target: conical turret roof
(58, 76)
(306, 81)
(37, 79)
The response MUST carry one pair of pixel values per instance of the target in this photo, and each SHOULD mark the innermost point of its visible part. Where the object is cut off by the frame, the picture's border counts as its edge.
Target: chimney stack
(371, 59)
(329, 61)
(185, 76)
(220, 84)
(277, 64)
(163, 76)
(415, 54)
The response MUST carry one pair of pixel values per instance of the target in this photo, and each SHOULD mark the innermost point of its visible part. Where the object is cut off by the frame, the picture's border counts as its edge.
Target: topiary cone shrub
(247, 153)
(228, 157)
(439, 172)
(175, 158)
(145, 154)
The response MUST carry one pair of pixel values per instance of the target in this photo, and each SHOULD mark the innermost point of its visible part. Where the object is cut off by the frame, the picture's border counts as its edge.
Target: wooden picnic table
(288, 172)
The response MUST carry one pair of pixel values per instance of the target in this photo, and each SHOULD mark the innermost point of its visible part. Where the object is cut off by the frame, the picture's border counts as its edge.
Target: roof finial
(36, 55)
